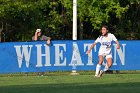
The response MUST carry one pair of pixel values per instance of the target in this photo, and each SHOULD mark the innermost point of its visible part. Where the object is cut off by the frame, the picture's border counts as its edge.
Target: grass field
(109, 83)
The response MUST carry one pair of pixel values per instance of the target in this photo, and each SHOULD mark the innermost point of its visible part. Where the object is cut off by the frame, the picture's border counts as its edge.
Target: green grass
(109, 83)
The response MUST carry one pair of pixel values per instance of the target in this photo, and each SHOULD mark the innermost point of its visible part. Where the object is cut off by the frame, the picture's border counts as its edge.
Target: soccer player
(105, 40)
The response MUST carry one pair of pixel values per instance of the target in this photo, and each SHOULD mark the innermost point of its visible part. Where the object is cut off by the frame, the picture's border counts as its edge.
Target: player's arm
(96, 41)
(118, 44)
(91, 48)
(35, 37)
(48, 40)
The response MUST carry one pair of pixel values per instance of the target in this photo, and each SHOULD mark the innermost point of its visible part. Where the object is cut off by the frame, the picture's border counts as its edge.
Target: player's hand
(118, 47)
(36, 33)
(48, 42)
(88, 52)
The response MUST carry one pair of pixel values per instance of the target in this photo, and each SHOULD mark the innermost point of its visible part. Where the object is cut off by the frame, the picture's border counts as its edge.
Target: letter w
(23, 53)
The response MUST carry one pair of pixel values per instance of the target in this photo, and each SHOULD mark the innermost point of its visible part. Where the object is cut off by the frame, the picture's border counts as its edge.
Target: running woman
(105, 51)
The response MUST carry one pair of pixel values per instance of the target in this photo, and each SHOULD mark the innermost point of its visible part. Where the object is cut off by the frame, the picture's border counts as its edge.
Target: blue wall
(64, 55)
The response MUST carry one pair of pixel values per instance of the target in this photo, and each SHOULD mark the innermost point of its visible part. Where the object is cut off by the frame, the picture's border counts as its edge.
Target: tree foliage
(22, 17)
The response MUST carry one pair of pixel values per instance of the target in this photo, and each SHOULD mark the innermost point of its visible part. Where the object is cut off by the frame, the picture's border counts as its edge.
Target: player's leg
(109, 62)
(98, 67)
(107, 66)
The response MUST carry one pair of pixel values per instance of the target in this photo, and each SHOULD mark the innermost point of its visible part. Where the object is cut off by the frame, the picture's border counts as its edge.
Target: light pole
(74, 20)
(74, 35)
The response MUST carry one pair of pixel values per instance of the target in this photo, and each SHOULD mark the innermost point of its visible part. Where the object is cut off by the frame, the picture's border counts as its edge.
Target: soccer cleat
(101, 73)
(96, 76)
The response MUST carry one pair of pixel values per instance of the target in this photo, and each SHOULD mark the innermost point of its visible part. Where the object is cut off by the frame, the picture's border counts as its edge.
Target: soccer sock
(105, 68)
(97, 69)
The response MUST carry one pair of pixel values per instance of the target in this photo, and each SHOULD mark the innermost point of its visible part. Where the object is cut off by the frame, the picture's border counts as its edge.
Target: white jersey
(106, 44)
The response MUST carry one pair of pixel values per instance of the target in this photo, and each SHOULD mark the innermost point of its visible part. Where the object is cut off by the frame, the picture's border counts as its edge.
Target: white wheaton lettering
(121, 54)
(76, 55)
(23, 51)
(40, 55)
(59, 55)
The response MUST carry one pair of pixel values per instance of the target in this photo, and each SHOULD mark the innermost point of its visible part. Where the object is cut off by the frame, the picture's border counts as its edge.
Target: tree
(22, 17)
(94, 12)
(128, 26)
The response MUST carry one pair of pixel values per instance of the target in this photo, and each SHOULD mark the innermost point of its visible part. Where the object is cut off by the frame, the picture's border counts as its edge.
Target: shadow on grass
(73, 88)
